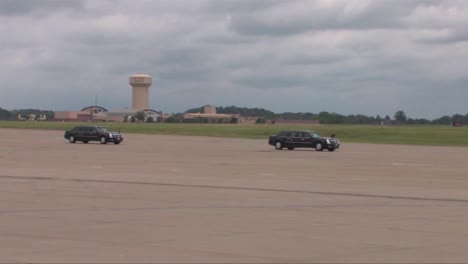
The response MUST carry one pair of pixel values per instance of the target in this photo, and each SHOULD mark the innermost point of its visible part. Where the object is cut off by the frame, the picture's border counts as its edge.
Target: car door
(294, 139)
(93, 134)
(301, 140)
(286, 139)
(85, 133)
(309, 140)
(79, 133)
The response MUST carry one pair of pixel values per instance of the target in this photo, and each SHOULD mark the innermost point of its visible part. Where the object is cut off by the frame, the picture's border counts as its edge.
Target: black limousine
(93, 133)
(303, 139)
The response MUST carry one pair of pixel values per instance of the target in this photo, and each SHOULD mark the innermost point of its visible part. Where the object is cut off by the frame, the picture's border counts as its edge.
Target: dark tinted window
(102, 129)
(314, 134)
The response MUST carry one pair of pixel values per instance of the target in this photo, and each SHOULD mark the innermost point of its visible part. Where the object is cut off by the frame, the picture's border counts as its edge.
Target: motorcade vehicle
(93, 133)
(303, 139)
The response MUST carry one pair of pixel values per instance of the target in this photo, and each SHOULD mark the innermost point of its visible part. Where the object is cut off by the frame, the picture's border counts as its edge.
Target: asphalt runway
(158, 198)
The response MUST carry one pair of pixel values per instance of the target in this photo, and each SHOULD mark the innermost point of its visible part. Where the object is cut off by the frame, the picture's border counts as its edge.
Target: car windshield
(314, 134)
(104, 130)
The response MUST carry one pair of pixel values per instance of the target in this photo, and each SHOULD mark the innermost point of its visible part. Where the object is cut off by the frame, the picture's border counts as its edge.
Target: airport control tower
(140, 84)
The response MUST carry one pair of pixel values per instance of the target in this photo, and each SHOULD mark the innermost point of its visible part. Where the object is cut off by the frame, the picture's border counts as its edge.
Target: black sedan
(303, 139)
(93, 133)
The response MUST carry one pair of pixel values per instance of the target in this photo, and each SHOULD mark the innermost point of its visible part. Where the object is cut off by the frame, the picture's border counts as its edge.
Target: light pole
(96, 96)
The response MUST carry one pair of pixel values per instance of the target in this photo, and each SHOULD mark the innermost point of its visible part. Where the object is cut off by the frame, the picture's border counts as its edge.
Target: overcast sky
(350, 57)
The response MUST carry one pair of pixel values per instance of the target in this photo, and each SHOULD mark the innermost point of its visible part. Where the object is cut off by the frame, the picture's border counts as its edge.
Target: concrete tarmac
(158, 198)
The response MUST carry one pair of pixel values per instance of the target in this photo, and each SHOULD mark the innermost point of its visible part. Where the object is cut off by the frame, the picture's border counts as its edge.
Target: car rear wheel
(319, 146)
(278, 145)
(72, 139)
(103, 140)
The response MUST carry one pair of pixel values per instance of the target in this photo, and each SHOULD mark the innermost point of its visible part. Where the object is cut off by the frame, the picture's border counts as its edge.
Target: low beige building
(72, 116)
(212, 118)
(209, 113)
(247, 119)
(281, 121)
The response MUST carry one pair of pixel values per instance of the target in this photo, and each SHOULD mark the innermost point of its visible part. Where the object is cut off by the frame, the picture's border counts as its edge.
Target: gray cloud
(294, 17)
(25, 7)
(355, 56)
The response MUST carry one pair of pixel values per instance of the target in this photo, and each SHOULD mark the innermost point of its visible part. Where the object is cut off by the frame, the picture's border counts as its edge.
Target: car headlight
(110, 135)
(328, 141)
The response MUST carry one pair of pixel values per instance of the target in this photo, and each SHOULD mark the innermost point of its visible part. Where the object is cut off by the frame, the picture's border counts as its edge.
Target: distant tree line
(139, 117)
(333, 118)
(4, 114)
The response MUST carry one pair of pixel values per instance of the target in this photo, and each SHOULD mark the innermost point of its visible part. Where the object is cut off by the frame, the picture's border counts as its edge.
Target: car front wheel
(278, 145)
(319, 146)
(103, 140)
(72, 139)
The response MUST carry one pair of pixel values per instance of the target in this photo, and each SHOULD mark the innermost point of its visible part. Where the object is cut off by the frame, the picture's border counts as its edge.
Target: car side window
(94, 130)
(293, 134)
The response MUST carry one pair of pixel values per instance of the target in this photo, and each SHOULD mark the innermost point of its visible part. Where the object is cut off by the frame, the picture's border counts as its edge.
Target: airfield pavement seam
(241, 188)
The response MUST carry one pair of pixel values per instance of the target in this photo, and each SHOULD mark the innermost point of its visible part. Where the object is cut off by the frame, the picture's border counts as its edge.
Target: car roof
(88, 127)
(308, 131)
